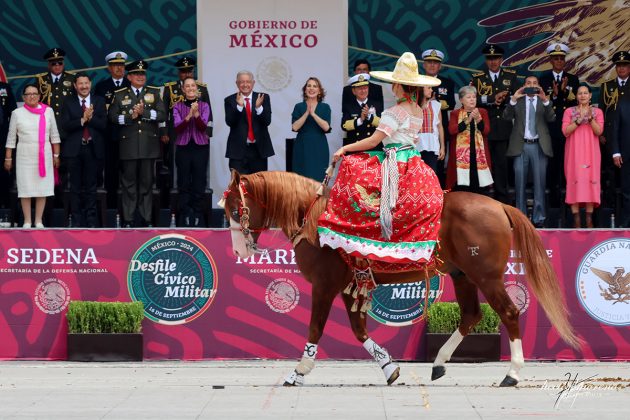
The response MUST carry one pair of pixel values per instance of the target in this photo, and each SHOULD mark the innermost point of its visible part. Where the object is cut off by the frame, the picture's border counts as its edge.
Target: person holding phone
(530, 143)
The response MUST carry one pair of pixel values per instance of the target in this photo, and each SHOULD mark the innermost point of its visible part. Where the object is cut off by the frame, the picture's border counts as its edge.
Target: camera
(531, 91)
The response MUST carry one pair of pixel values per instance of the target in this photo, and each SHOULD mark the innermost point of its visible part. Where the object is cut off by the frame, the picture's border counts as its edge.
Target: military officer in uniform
(137, 109)
(361, 116)
(55, 84)
(561, 87)
(105, 89)
(494, 87)
(7, 105)
(444, 94)
(173, 93)
(610, 93)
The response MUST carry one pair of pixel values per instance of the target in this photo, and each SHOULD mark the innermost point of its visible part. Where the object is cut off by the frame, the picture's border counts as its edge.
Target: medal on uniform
(67, 83)
(149, 98)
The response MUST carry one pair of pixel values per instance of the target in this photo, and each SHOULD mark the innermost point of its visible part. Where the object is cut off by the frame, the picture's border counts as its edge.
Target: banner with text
(202, 303)
(283, 43)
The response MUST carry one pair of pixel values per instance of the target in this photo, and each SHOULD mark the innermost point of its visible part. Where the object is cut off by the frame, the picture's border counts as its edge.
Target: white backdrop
(283, 42)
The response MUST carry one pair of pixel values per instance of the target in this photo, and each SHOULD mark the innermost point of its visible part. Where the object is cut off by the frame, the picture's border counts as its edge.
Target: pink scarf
(42, 135)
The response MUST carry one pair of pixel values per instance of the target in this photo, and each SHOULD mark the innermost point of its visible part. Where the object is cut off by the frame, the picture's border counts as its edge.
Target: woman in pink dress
(582, 125)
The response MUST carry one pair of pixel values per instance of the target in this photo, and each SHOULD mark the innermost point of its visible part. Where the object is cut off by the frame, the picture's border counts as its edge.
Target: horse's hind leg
(320, 308)
(466, 293)
(500, 301)
(380, 355)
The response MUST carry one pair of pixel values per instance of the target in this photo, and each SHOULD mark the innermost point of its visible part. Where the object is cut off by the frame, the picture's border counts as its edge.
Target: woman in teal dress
(311, 122)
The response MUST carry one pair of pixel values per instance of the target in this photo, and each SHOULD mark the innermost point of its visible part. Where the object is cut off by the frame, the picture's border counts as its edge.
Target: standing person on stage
(174, 93)
(190, 120)
(248, 114)
(620, 146)
(7, 105)
(431, 142)
(530, 143)
(55, 85)
(361, 117)
(83, 118)
(375, 95)
(311, 121)
(33, 132)
(610, 93)
(582, 125)
(138, 110)
(494, 86)
(106, 88)
(444, 94)
(561, 87)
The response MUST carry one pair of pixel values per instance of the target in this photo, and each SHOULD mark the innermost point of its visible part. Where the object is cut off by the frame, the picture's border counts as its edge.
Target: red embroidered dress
(355, 220)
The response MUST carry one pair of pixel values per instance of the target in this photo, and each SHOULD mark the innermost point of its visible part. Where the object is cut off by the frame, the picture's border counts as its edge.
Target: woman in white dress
(33, 130)
(431, 142)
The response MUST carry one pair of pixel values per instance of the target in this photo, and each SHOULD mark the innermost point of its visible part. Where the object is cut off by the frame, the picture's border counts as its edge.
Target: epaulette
(201, 84)
(479, 74)
(41, 74)
(121, 89)
(153, 87)
(69, 72)
(509, 71)
(170, 83)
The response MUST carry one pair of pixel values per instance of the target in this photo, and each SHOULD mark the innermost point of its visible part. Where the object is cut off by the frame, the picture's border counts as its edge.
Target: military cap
(54, 54)
(139, 66)
(116, 57)
(435, 55)
(359, 80)
(185, 63)
(621, 57)
(492, 51)
(557, 49)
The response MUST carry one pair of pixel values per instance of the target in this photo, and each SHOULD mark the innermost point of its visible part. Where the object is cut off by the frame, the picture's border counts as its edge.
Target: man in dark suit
(173, 93)
(561, 87)
(137, 110)
(248, 114)
(530, 143)
(360, 118)
(494, 85)
(7, 105)
(375, 95)
(444, 94)
(610, 93)
(106, 89)
(83, 118)
(620, 146)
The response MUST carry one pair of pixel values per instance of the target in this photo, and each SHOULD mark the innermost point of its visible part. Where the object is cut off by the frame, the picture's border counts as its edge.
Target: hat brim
(439, 60)
(116, 61)
(562, 53)
(622, 62)
(136, 71)
(359, 84)
(419, 80)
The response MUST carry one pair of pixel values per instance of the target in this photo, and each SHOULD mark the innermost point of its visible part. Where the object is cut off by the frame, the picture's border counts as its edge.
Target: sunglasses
(56, 63)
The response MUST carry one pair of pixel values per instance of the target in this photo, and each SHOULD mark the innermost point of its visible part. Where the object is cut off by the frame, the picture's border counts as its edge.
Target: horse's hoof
(287, 383)
(437, 372)
(392, 378)
(294, 379)
(508, 381)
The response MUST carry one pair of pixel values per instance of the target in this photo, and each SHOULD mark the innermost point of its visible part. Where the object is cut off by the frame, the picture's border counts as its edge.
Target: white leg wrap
(294, 379)
(380, 355)
(307, 363)
(517, 359)
(445, 353)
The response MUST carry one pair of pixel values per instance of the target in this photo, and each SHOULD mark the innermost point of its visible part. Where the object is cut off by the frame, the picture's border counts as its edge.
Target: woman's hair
(188, 77)
(413, 90)
(322, 92)
(33, 85)
(465, 90)
(586, 85)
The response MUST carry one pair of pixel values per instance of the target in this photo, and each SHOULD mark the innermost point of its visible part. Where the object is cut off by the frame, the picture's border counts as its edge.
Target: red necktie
(86, 132)
(250, 130)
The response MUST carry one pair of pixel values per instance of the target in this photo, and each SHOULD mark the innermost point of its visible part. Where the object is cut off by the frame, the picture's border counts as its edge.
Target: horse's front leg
(380, 355)
(322, 302)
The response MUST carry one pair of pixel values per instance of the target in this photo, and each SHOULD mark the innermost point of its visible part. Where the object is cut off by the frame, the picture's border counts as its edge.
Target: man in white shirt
(530, 143)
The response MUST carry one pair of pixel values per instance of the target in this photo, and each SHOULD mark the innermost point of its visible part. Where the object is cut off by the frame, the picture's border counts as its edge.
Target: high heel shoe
(39, 225)
(26, 226)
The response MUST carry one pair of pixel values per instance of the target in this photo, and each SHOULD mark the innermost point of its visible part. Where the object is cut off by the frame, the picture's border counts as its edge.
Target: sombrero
(406, 73)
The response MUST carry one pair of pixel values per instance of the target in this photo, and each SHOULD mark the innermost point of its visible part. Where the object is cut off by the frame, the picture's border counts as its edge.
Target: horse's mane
(287, 197)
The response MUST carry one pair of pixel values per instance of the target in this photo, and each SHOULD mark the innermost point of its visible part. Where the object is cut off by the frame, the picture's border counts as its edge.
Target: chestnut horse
(476, 236)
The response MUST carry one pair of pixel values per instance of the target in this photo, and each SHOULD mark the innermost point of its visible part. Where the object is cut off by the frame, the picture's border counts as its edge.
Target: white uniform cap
(557, 49)
(433, 54)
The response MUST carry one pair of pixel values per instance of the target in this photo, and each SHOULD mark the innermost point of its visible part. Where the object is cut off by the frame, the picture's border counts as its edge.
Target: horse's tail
(540, 274)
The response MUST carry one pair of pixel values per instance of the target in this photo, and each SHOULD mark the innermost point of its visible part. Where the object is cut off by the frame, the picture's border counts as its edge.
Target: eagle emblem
(371, 202)
(618, 289)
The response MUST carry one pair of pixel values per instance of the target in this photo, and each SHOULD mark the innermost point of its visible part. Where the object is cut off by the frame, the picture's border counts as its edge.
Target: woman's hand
(56, 162)
(339, 154)
(442, 153)
(8, 164)
(476, 115)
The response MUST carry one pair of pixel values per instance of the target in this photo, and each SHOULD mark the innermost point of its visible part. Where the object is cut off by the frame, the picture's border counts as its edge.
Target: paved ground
(345, 390)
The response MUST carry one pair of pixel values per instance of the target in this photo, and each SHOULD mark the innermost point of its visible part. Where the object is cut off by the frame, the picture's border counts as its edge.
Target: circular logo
(282, 295)
(175, 278)
(52, 296)
(519, 294)
(602, 282)
(399, 305)
(273, 73)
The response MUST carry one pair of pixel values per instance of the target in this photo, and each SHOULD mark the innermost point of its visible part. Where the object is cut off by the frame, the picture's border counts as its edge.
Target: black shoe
(539, 225)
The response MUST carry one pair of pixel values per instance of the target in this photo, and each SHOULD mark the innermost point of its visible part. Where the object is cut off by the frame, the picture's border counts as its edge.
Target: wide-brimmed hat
(406, 73)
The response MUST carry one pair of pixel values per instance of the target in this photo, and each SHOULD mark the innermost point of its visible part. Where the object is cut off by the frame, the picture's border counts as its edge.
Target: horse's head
(245, 213)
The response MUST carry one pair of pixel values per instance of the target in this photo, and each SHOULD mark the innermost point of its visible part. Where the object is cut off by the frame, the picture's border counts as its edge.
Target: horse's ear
(236, 177)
